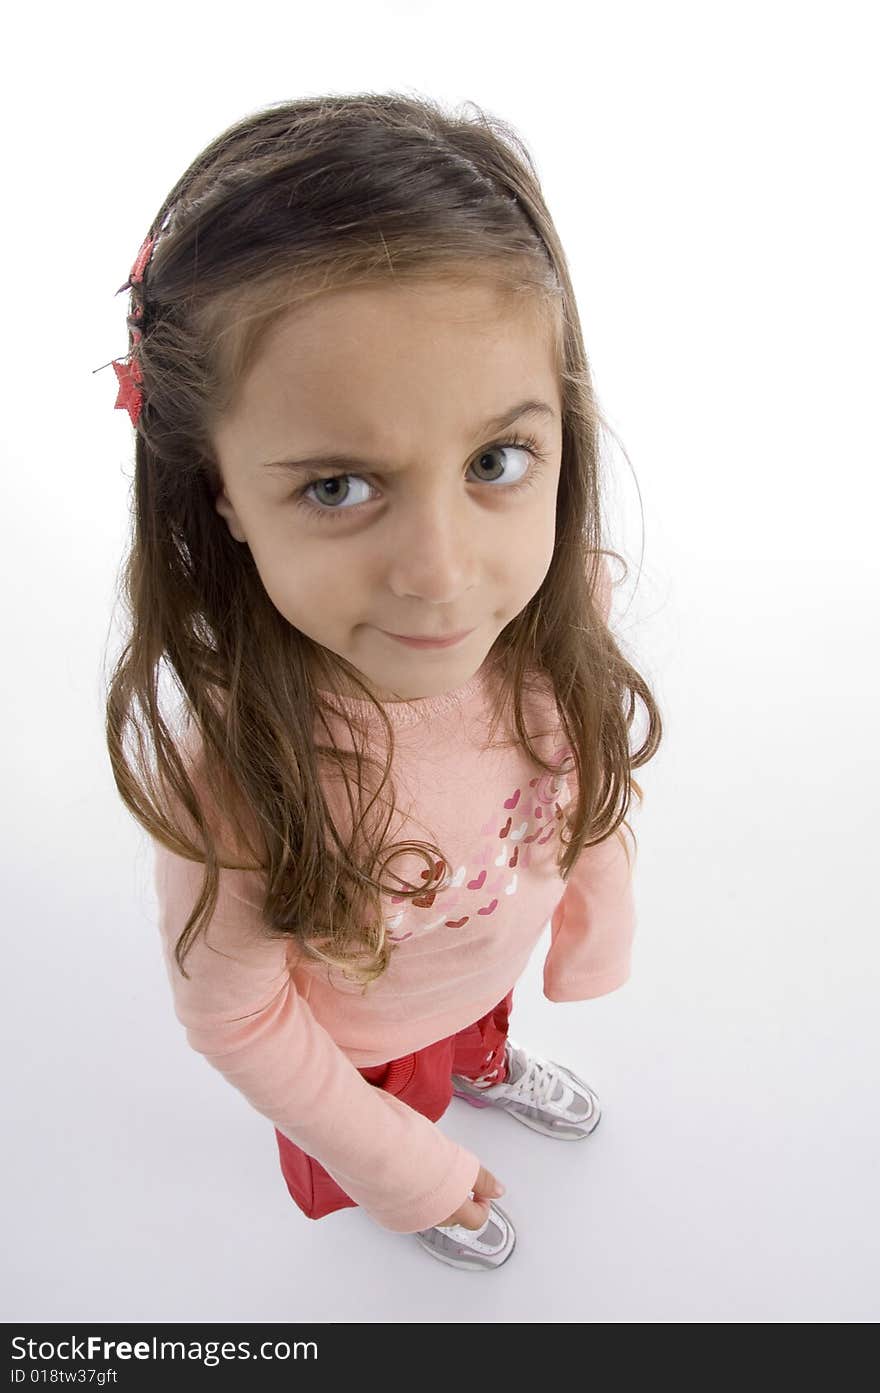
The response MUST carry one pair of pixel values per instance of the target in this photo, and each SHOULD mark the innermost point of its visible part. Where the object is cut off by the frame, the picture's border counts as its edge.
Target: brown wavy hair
(295, 199)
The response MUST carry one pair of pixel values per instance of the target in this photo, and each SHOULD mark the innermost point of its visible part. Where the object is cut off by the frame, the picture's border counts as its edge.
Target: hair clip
(136, 274)
(128, 371)
(130, 397)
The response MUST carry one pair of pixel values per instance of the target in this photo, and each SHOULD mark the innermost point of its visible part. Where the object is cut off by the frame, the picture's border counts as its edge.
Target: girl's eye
(330, 488)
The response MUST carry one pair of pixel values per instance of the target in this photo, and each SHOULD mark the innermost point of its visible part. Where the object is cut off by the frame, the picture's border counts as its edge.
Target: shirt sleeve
(241, 1010)
(593, 925)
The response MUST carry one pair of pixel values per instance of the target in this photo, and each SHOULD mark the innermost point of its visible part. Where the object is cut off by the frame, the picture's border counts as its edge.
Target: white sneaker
(546, 1096)
(489, 1246)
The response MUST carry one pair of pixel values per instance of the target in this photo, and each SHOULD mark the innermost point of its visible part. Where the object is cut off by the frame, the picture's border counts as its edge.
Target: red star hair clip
(130, 396)
(128, 370)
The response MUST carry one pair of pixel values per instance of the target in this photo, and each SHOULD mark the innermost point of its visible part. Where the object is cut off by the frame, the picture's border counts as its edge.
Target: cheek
(529, 549)
(309, 585)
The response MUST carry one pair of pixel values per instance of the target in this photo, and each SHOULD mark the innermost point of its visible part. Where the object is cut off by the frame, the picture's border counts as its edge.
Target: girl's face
(430, 520)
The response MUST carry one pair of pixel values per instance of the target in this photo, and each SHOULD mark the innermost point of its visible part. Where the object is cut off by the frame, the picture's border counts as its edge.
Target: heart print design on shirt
(529, 818)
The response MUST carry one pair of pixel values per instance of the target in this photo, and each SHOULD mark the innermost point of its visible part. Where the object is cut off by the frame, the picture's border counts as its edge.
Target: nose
(433, 554)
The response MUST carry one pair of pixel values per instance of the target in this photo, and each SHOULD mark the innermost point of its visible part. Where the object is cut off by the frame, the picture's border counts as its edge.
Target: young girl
(367, 549)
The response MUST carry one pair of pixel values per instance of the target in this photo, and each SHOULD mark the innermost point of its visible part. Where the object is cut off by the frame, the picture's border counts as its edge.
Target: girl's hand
(473, 1213)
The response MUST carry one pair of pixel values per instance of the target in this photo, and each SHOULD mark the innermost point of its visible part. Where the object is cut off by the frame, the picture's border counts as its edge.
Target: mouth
(416, 641)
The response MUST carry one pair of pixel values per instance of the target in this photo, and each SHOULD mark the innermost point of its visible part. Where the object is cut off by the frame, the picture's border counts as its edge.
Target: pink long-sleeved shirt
(292, 1043)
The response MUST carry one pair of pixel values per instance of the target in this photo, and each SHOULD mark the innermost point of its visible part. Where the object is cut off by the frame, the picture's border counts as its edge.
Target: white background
(712, 172)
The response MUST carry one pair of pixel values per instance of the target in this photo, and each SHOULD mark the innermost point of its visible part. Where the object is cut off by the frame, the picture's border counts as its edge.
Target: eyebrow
(341, 461)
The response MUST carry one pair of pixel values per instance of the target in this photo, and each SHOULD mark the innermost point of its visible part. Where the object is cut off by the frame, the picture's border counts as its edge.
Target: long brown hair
(293, 200)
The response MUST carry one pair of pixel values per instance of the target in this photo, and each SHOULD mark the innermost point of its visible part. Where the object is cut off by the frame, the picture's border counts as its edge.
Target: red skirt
(423, 1080)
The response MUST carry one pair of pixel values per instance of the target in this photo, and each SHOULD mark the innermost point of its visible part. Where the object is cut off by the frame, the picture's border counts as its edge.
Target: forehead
(387, 363)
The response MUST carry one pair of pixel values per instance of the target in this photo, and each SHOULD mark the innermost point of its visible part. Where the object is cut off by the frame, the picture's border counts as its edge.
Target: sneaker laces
(537, 1081)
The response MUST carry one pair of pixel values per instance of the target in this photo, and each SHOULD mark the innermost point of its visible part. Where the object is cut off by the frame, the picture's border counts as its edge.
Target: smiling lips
(415, 642)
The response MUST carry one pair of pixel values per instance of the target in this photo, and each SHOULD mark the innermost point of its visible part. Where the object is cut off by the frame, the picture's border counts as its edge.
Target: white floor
(733, 1177)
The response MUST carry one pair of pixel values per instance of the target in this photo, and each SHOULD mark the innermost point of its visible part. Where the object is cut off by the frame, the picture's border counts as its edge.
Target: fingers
(474, 1211)
(487, 1184)
(477, 1212)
